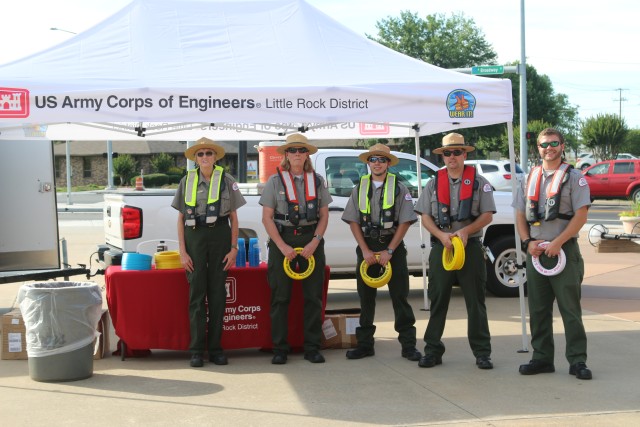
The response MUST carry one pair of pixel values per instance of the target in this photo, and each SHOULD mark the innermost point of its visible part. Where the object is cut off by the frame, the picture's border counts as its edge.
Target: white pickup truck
(135, 217)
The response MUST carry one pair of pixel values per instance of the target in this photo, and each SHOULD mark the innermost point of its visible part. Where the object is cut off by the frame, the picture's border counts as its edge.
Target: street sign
(487, 70)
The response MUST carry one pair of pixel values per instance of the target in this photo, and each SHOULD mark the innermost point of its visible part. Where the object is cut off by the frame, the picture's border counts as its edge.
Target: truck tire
(502, 274)
(635, 196)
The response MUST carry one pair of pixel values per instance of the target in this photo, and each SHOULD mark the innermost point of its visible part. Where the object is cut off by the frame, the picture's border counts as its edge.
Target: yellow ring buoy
(453, 260)
(294, 274)
(375, 282)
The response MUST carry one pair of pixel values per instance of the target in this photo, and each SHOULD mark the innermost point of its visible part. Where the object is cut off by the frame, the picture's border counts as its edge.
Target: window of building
(86, 167)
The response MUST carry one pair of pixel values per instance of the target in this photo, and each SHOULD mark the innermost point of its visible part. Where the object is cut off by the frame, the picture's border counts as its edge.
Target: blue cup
(241, 259)
(254, 252)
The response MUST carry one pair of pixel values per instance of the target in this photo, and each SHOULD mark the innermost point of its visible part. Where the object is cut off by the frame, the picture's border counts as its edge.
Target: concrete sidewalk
(381, 390)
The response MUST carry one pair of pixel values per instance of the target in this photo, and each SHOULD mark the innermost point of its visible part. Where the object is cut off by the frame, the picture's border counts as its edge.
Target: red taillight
(131, 222)
(507, 176)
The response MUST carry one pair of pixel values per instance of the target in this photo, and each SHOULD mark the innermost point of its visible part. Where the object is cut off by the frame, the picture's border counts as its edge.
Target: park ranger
(295, 212)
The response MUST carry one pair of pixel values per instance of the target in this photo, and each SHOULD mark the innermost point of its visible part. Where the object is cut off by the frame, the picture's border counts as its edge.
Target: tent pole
(425, 286)
(520, 282)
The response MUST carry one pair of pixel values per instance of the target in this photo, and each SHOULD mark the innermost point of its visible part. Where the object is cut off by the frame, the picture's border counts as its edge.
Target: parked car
(625, 156)
(614, 179)
(585, 160)
(497, 172)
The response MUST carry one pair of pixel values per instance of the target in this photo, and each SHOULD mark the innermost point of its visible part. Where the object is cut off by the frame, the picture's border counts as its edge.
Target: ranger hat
(297, 140)
(190, 153)
(453, 141)
(379, 150)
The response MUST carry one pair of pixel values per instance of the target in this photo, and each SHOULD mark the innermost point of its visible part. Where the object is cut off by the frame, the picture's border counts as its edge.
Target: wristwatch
(525, 243)
(234, 246)
(390, 251)
(318, 236)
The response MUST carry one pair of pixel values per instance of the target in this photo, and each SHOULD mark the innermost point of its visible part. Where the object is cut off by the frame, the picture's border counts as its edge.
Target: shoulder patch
(407, 197)
(582, 182)
(235, 186)
(487, 188)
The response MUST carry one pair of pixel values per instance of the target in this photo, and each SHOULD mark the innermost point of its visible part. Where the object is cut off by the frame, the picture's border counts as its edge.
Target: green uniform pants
(565, 288)
(404, 319)
(207, 247)
(472, 279)
(312, 289)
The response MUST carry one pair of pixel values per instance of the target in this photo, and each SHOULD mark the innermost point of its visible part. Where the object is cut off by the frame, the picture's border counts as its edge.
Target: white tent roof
(280, 63)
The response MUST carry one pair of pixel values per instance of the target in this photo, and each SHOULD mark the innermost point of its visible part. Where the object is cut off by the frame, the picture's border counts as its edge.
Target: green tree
(632, 143)
(448, 42)
(162, 162)
(124, 166)
(604, 135)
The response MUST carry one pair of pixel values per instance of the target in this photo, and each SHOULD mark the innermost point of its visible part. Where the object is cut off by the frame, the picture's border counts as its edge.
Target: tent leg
(523, 310)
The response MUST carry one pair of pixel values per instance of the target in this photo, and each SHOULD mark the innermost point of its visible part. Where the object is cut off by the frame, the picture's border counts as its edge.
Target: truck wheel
(502, 274)
(635, 196)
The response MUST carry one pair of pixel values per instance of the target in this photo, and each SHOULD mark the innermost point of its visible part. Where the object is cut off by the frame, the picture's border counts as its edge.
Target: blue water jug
(241, 259)
(254, 252)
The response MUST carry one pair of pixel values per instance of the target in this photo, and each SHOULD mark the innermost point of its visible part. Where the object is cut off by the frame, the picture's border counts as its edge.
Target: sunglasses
(293, 150)
(547, 144)
(205, 153)
(456, 153)
(382, 160)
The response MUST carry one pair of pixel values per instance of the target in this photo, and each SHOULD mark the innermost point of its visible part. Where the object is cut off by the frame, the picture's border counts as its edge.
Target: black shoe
(219, 359)
(360, 352)
(196, 361)
(279, 358)
(314, 356)
(411, 354)
(484, 362)
(537, 367)
(429, 361)
(581, 371)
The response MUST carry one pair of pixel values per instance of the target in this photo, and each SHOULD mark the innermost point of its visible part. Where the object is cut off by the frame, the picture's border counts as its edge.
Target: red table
(150, 309)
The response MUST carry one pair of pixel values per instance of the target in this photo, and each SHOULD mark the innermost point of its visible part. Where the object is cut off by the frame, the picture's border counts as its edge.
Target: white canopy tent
(243, 70)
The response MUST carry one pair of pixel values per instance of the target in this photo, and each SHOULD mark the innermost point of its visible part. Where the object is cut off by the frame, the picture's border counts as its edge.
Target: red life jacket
(311, 184)
(552, 205)
(467, 186)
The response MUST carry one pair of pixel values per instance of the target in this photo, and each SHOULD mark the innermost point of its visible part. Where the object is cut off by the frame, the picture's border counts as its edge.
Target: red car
(614, 179)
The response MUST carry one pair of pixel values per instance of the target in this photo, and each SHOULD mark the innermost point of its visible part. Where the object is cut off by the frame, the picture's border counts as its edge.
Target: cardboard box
(14, 345)
(339, 328)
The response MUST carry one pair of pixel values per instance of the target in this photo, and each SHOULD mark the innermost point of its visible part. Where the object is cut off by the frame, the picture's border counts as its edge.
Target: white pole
(423, 246)
(524, 144)
(68, 152)
(519, 260)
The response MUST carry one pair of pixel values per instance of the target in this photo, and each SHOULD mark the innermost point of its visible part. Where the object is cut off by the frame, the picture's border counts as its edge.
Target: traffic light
(530, 136)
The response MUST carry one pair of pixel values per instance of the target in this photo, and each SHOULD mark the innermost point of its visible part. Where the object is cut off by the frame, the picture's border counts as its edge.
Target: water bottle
(254, 252)
(241, 259)
(162, 246)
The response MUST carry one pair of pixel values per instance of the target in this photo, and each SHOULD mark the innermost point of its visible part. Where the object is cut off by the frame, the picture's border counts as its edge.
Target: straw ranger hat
(297, 140)
(190, 153)
(379, 150)
(453, 141)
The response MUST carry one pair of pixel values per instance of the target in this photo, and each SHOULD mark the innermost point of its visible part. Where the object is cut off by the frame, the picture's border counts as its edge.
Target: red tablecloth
(150, 309)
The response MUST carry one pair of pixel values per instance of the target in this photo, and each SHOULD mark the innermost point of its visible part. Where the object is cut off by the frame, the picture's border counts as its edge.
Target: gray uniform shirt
(230, 197)
(574, 194)
(482, 202)
(274, 197)
(403, 207)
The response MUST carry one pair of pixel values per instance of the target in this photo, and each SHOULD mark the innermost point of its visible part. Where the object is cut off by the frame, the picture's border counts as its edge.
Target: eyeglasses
(205, 153)
(456, 153)
(293, 150)
(547, 144)
(382, 160)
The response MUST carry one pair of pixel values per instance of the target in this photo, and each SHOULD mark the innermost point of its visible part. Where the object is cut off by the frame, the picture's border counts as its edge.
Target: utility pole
(620, 99)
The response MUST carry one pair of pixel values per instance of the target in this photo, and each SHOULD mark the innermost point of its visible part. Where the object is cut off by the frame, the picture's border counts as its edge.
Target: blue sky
(588, 51)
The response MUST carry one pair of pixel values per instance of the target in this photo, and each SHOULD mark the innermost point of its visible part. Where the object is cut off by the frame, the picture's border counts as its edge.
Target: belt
(470, 239)
(201, 221)
(386, 238)
(298, 231)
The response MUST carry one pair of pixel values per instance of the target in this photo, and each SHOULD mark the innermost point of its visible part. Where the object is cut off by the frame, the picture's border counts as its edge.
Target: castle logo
(14, 103)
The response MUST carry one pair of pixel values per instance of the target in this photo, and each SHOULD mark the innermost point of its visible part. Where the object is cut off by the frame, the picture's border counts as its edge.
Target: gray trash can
(61, 320)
